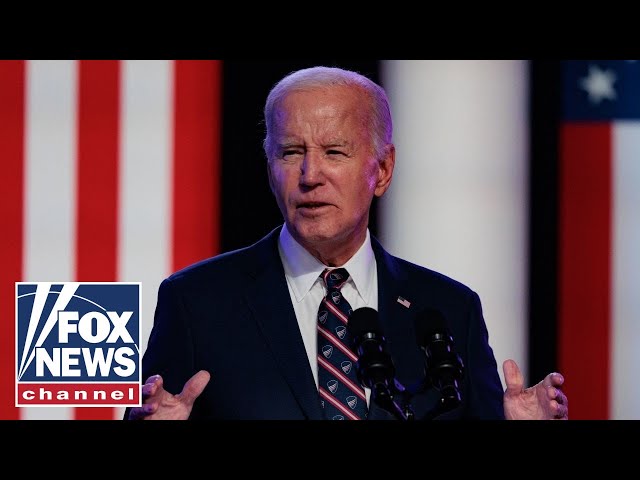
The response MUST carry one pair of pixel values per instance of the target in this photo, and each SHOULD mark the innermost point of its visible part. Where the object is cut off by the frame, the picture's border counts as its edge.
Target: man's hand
(158, 404)
(543, 401)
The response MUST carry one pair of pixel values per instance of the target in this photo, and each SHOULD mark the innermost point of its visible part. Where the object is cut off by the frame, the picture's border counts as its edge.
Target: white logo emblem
(322, 316)
(332, 385)
(338, 417)
(76, 341)
(335, 296)
(341, 331)
(335, 276)
(352, 401)
(346, 366)
(327, 350)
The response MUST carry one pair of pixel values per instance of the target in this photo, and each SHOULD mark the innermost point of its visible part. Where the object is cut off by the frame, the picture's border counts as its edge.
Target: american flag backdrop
(599, 238)
(131, 169)
(110, 173)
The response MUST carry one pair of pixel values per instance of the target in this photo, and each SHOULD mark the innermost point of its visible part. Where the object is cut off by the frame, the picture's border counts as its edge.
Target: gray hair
(322, 77)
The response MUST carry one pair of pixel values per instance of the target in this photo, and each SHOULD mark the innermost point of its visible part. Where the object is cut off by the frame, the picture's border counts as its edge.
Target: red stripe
(336, 341)
(196, 161)
(97, 182)
(584, 267)
(346, 380)
(338, 313)
(327, 396)
(12, 101)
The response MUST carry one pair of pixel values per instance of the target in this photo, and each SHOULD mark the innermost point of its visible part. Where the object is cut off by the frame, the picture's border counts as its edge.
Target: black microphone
(375, 368)
(443, 366)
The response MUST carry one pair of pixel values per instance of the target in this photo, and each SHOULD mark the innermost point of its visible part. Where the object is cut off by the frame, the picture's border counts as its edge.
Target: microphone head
(429, 323)
(364, 320)
(374, 366)
(443, 366)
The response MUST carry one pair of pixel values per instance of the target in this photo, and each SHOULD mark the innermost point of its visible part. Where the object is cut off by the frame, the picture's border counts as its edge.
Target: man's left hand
(543, 401)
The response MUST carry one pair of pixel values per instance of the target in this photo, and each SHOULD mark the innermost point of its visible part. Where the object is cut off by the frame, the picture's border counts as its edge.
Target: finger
(512, 376)
(554, 379)
(148, 390)
(194, 387)
(139, 413)
(562, 399)
(557, 379)
(557, 395)
(154, 379)
(562, 412)
(153, 383)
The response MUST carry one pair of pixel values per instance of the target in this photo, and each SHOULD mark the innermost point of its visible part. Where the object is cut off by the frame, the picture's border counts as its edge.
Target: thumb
(194, 387)
(512, 377)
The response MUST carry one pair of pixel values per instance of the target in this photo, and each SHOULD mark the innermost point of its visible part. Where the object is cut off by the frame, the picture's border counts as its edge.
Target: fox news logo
(78, 344)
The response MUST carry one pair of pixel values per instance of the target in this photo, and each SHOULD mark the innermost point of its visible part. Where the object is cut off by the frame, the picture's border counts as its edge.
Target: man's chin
(310, 235)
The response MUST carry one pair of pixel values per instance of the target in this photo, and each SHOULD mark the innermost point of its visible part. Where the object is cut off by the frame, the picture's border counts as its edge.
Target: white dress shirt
(307, 289)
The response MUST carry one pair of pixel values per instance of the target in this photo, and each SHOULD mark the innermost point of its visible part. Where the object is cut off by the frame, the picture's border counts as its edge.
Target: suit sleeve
(170, 349)
(484, 386)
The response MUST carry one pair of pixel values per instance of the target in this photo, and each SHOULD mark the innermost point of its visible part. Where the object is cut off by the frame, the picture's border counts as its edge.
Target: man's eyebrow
(330, 144)
(290, 144)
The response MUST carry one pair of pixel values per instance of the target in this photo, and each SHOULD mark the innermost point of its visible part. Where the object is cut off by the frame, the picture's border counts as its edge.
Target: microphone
(375, 368)
(443, 366)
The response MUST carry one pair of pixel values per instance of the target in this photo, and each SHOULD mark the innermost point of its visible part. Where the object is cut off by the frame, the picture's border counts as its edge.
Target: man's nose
(311, 172)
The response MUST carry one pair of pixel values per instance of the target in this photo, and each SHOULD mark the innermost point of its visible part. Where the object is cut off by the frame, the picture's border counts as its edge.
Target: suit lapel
(397, 322)
(267, 296)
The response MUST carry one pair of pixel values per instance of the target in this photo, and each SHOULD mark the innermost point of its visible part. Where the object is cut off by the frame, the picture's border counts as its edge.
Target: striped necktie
(341, 395)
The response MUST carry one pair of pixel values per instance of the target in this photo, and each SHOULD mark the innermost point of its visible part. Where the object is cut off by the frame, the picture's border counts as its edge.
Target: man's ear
(385, 170)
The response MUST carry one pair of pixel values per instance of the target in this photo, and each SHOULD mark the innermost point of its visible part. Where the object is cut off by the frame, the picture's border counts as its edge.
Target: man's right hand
(158, 404)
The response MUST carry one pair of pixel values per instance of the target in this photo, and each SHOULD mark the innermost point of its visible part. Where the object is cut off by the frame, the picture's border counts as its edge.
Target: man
(263, 332)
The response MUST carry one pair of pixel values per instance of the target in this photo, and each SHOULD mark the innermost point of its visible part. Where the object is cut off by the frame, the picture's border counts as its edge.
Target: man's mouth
(312, 205)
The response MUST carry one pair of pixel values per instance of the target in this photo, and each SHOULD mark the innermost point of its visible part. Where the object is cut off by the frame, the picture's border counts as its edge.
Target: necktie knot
(335, 278)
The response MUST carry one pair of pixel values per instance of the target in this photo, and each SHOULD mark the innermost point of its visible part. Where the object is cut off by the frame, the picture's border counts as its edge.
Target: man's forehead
(325, 100)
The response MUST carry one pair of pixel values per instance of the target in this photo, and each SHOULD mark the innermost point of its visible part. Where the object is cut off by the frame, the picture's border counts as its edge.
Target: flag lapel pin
(404, 302)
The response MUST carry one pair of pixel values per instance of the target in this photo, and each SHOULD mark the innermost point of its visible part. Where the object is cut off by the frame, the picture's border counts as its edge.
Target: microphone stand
(387, 398)
(449, 397)
(440, 408)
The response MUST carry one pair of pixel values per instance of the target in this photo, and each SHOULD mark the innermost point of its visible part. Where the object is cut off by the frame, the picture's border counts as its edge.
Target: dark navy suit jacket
(232, 316)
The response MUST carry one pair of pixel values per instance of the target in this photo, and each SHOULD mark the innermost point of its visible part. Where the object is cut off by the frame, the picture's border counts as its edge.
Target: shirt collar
(303, 269)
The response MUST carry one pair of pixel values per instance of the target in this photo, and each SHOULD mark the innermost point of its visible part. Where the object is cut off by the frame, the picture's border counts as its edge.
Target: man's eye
(290, 153)
(335, 152)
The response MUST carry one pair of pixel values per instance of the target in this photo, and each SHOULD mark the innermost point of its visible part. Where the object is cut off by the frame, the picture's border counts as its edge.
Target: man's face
(324, 173)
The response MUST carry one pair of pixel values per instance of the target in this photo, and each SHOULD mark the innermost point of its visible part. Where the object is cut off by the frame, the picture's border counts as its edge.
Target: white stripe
(61, 303)
(50, 158)
(625, 323)
(145, 180)
(40, 298)
(458, 202)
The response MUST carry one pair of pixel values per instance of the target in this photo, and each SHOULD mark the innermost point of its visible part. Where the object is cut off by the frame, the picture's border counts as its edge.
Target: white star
(599, 84)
